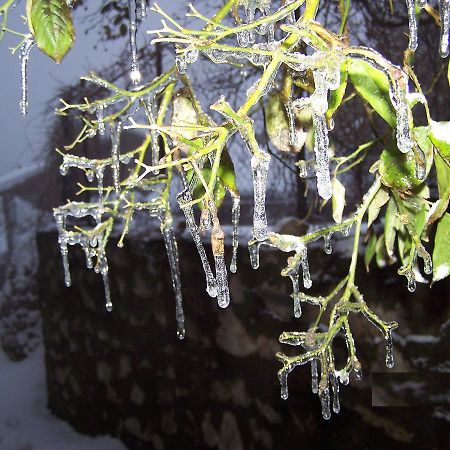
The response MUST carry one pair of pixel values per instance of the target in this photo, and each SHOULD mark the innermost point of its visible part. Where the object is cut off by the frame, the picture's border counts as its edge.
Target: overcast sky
(22, 139)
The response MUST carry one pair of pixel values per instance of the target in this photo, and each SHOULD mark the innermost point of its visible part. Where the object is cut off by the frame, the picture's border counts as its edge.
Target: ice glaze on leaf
(337, 96)
(373, 86)
(50, 22)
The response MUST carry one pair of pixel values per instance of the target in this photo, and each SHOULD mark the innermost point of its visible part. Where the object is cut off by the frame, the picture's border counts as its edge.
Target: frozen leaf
(440, 137)
(277, 122)
(50, 22)
(441, 254)
(336, 96)
(373, 86)
(338, 200)
(390, 229)
(380, 199)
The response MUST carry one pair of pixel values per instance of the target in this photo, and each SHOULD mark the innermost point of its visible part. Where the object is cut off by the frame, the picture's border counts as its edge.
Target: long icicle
(260, 168)
(172, 253)
(235, 214)
(218, 248)
(24, 55)
(135, 73)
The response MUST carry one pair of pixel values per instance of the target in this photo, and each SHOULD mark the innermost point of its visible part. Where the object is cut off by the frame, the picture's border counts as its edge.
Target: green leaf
(404, 245)
(422, 140)
(441, 253)
(397, 169)
(338, 200)
(443, 180)
(50, 22)
(277, 122)
(380, 199)
(373, 86)
(390, 231)
(370, 251)
(381, 256)
(440, 136)
(337, 96)
(227, 174)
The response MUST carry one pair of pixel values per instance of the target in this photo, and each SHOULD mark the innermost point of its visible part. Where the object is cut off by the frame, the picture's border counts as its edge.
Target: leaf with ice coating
(277, 122)
(377, 203)
(373, 86)
(397, 169)
(50, 22)
(441, 254)
(440, 137)
(338, 200)
(336, 96)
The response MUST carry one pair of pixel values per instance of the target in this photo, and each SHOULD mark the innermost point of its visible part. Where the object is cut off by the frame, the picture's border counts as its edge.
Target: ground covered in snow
(25, 422)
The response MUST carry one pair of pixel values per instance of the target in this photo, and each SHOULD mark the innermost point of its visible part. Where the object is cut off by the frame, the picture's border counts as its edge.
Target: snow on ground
(25, 422)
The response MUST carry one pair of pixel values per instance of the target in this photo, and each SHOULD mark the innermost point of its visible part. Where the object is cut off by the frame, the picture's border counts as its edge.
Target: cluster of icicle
(444, 12)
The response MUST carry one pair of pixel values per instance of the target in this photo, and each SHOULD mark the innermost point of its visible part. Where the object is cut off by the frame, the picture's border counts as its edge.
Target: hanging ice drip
(24, 54)
(135, 73)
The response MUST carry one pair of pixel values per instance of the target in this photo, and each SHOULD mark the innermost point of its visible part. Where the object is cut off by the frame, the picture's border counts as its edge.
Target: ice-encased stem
(172, 254)
(183, 199)
(260, 169)
(411, 6)
(24, 55)
(218, 248)
(235, 214)
(321, 143)
(444, 11)
(135, 73)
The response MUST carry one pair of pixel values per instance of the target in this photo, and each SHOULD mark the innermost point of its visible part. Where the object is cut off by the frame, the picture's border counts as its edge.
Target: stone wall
(127, 374)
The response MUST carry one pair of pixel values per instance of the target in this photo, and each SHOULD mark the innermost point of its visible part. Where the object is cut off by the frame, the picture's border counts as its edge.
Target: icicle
(99, 172)
(427, 261)
(143, 10)
(135, 73)
(217, 241)
(325, 401)
(115, 155)
(389, 350)
(60, 223)
(411, 278)
(411, 5)
(335, 391)
(345, 231)
(327, 243)
(172, 253)
(314, 377)
(253, 248)
(183, 199)
(321, 153)
(24, 54)
(293, 135)
(100, 122)
(260, 168)
(235, 213)
(307, 283)
(444, 10)
(296, 295)
(398, 93)
(283, 376)
(423, 3)
(151, 102)
(103, 268)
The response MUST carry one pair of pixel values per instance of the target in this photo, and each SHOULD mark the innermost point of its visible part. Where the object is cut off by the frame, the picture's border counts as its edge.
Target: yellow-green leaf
(338, 200)
(50, 22)
(336, 97)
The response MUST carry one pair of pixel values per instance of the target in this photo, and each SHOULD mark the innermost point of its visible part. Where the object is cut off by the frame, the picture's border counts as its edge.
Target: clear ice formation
(398, 93)
(260, 169)
(235, 214)
(152, 114)
(321, 143)
(218, 247)
(184, 198)
(24, 55)
(91, 243)
(172, 253)
(116, 133)
(444, 12)
(135, 73)
(411, 6)
(389, 350)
